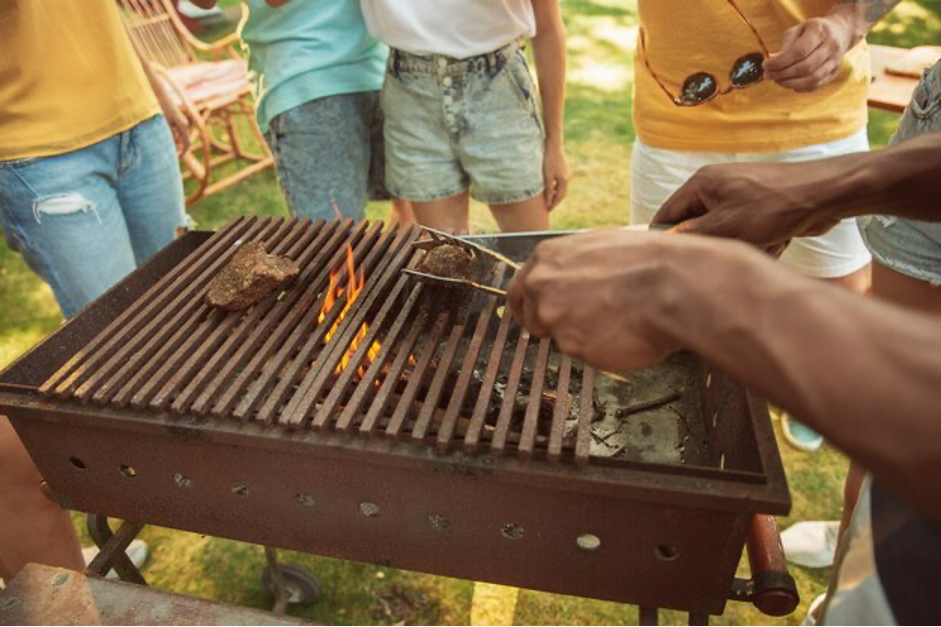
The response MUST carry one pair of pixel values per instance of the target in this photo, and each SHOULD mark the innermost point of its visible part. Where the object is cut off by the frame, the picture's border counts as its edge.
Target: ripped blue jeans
(85, 219)
(911, 247)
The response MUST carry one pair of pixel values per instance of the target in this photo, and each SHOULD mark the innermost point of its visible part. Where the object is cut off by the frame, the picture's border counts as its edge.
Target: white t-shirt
(456, 28)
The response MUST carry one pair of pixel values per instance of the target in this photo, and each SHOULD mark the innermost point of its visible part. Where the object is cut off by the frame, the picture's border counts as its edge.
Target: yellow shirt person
(683, 38)
(723, 81)
(89, 181)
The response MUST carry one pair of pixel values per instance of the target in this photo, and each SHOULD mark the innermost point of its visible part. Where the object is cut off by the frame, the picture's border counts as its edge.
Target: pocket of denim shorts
(517, 71)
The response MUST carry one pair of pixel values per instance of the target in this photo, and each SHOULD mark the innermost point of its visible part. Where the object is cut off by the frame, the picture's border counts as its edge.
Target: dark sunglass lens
(747, 70)
(697, 88)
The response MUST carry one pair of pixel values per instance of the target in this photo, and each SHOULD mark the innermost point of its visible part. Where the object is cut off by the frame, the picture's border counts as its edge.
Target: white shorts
(657, 173)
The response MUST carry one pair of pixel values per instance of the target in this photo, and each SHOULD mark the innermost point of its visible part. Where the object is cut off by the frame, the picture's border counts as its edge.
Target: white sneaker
(811, 544)
(137, 550)
(811, 619)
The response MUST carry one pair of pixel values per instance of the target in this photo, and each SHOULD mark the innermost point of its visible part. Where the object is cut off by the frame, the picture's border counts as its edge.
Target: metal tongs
(437, 238)
(478, 252)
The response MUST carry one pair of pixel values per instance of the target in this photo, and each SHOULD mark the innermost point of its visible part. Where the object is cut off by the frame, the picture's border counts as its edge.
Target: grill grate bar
(289, 367)
(459, 393)
(426, 354)
(563, 402)
(209, 401)
(193, 392)
(329, 405)
(205, 359)
(256, 357)
(430, 403)
(300, 408)
(389, 342)
(531, 421)
(509, 395)
(101, 385)
(381, 401)
(585, 415)
(141, 387)
(64, 381)
(476, 425)
(301, 321)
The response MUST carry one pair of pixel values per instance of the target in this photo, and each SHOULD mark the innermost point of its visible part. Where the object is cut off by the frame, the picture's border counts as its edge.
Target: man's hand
(555, 171)
(765, 204)
(602, 295)
(811, 53)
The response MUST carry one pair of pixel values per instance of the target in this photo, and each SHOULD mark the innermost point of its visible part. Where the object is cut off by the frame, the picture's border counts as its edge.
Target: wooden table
(889, 92)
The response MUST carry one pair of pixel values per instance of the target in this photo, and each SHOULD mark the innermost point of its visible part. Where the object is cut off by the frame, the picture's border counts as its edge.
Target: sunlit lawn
(599, 133)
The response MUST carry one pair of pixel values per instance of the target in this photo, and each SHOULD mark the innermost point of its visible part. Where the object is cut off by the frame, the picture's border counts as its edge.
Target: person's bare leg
(858, 281)
(402, 212)
(451, 215)
(526, 215)
(32, 527)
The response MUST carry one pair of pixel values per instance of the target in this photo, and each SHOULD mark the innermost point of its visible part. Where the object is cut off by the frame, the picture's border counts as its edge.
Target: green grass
(599, 133)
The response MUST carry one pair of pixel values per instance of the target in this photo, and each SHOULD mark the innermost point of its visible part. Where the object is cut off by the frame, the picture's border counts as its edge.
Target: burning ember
(349, 293)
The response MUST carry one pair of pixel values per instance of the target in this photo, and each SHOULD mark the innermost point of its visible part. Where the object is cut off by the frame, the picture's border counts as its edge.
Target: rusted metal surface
(45, 595)
(244, 425)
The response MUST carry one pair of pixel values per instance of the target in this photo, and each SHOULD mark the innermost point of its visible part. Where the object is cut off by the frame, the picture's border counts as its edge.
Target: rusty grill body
(465, 448)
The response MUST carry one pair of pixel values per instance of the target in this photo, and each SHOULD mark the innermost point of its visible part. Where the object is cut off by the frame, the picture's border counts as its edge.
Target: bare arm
(549, 52)
(767, 204)
(865, 374)
(811, 53)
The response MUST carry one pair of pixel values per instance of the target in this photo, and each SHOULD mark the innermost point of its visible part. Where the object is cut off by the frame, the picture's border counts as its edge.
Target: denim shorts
(84, 219)
(458, 124)
(911, 247)
(330, 151)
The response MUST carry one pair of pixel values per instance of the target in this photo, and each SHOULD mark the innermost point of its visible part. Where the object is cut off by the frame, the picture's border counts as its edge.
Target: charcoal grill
(463, 448)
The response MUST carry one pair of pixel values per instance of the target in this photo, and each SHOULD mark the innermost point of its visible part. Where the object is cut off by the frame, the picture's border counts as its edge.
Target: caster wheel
(302, 587)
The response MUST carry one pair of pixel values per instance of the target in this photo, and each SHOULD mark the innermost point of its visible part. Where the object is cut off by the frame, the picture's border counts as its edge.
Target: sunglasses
(701, 87)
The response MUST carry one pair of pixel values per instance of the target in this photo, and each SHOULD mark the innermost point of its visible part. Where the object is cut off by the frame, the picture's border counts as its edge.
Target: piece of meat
(249, 277)
(450, 261)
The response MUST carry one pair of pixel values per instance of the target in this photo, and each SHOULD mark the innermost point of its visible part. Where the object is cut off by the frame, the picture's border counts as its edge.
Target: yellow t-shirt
(684, 37)
(68, 77)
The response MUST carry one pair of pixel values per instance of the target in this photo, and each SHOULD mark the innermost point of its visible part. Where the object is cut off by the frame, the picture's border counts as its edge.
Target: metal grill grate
(451, 371)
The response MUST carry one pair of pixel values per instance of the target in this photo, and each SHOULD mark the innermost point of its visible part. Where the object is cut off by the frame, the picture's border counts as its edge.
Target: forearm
(861, 15)
(903, 180)
(865, 374)
(549, 53)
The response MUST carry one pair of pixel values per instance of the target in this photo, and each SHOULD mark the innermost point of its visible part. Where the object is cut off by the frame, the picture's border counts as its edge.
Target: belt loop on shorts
(396, 58)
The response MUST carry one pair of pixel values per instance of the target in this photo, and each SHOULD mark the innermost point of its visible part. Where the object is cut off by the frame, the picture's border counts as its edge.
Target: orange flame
(351, 291)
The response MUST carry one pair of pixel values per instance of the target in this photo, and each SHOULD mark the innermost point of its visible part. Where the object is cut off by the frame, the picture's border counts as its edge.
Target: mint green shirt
(308, 49)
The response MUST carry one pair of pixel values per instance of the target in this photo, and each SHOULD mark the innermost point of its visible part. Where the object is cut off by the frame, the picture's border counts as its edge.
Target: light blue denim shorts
(911, 247)
(458, 124)
(84, 219)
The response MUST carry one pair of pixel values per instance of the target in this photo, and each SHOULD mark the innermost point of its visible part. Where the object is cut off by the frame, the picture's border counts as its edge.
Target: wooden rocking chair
(209, 82)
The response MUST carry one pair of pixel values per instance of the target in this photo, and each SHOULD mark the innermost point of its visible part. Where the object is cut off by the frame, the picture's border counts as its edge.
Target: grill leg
(277, 581)
(698, 619)
(648, 615)
(111, 549)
